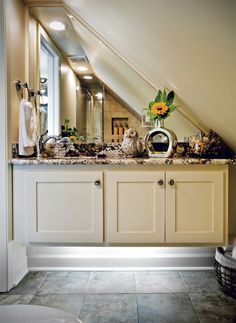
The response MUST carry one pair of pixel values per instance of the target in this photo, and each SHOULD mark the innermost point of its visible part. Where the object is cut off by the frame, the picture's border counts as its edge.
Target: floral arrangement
(161, 108)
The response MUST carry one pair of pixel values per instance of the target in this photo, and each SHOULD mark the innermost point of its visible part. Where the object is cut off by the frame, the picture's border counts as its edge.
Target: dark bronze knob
(97, 182)
(171, 182)
(160, 182)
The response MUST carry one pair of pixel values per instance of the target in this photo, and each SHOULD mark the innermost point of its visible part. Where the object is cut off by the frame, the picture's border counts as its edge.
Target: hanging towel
(42, 120)
(27, 128)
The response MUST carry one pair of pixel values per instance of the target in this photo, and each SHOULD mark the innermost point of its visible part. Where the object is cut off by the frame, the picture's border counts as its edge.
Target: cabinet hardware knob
(171, 182)
(97, 182)
(160, 182)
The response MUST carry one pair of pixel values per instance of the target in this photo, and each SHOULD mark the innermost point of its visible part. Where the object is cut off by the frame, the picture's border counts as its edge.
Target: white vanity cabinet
(195, 208)
(174, 207)
(65, 206)
(135, 207)
(160, 204)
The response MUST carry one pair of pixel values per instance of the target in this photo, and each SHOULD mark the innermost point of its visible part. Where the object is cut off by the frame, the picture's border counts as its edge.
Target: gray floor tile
(112, 282)
(68, 303)
(214, 307)
(29, 284)
(15, 299)
(166, 308)
(159, 282)
(109, 308)
(64, 283)
(200, 281)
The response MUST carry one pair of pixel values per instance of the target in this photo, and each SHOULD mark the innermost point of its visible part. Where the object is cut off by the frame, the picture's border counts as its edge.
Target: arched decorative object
(160, 142)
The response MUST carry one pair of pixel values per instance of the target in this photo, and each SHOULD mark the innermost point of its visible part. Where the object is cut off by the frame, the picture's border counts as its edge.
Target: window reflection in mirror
(77, 103)
(79, 116)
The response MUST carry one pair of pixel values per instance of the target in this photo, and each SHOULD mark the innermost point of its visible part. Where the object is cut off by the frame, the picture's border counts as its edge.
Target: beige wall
(68, 94)
(15, 29)
(81, 110)
(16, 70)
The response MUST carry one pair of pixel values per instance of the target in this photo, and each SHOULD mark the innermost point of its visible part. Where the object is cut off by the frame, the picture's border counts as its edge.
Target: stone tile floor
(169, 296)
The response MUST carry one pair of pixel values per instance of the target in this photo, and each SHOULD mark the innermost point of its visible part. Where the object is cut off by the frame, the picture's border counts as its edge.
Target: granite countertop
(119, 161)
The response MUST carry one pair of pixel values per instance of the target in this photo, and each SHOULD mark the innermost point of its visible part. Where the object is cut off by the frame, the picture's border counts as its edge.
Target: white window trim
(53, 87)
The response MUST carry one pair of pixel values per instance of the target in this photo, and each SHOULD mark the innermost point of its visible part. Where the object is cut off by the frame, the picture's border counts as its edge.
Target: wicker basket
(225, 267)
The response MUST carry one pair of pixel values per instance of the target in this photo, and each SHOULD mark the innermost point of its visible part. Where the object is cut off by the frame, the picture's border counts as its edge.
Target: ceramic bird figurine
(132, 145)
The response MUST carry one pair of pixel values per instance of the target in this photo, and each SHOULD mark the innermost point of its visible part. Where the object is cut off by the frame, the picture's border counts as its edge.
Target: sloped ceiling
(124, 81)
(187, 45)
(128, 85)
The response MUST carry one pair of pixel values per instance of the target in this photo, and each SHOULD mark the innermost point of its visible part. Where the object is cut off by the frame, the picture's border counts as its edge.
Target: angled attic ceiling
(132, 90)
(186, 45)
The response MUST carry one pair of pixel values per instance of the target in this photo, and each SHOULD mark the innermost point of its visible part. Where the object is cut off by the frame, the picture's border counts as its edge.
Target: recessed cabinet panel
(133, 213)
(135, 207)
(65, 207)
(195, 207)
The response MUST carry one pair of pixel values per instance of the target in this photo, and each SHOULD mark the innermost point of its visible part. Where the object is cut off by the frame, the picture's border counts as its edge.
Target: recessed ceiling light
(87, 77)
(82, 68)
(57, 25)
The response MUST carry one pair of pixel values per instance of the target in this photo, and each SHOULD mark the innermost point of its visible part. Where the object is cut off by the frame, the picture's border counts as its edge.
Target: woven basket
(225, 267)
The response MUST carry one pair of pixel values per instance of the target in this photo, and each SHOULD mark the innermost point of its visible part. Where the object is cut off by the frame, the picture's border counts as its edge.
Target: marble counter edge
(120, 161)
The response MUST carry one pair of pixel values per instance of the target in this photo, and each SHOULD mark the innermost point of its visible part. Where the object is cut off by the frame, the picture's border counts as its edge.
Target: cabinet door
(135, 207)
(195, 207)
(65, 207)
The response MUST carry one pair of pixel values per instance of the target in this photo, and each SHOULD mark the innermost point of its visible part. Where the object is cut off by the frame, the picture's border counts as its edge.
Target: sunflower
(162, 106)
(159, 108)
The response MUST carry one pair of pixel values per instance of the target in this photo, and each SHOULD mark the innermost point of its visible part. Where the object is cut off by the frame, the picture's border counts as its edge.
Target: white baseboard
(119, 258)
(17, 263)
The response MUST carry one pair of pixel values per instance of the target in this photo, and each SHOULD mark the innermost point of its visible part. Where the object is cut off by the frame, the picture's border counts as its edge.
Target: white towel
(27, 128)
(42, 120)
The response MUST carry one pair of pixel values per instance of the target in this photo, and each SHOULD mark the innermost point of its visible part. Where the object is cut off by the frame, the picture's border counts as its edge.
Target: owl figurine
(131, 145)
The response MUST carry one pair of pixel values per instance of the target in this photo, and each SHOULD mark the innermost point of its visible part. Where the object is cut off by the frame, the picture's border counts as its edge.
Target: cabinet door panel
(65, 207)
(195, 207)
(135, 207)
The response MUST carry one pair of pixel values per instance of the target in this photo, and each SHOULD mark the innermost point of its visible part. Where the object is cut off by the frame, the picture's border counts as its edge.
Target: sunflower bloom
(159, 109)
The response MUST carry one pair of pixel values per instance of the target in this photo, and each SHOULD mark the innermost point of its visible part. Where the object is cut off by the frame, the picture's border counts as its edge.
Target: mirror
(68, 64)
